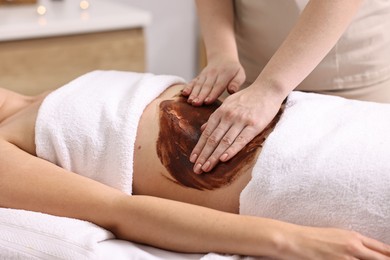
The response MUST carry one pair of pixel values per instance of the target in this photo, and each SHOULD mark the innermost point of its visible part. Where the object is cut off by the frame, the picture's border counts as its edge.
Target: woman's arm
(30, 183)
(245, 114)
(223, 68)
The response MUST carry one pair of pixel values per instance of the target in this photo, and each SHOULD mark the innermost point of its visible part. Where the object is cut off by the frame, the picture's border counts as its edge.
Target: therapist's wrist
(221, 54)
(270, 90)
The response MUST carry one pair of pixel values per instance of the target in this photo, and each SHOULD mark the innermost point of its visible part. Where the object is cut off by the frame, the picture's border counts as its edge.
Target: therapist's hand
(240, 118)
(219, 74)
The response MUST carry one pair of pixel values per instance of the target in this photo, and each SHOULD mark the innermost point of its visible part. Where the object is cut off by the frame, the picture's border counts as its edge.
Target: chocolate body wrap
(180, 125)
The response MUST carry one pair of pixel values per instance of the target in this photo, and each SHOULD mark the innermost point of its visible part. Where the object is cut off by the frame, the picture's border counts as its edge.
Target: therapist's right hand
(220, 73)
(240, 118)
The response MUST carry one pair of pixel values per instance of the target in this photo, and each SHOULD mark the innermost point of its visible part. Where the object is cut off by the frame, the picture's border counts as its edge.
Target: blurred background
(46, 43)
(171, 36)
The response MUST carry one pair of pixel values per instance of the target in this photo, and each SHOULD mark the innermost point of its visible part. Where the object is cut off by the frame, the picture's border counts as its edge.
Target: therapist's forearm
(317, 30)
(216, 19)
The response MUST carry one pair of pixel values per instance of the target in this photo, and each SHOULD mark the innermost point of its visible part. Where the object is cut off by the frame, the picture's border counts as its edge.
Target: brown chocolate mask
(179, 132)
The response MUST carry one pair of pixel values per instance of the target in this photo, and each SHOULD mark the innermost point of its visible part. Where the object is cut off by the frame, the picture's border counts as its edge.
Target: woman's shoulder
(17, 118)
(12, 102)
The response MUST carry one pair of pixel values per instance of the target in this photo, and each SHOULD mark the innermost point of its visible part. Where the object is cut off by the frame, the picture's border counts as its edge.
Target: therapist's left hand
(240, 118)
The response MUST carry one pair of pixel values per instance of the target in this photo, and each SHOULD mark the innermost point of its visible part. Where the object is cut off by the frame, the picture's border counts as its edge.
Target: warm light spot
(41, 10)
(84, 4)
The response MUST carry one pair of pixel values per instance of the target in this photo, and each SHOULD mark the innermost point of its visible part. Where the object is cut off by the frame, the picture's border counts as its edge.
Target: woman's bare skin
(30, 183)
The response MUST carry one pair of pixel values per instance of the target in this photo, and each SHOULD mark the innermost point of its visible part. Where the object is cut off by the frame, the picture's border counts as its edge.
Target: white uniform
(359, 64)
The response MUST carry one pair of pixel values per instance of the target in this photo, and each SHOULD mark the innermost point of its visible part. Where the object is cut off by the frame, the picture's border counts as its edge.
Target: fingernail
(196, 100)
(224, 157)
(198, 168)
(193, 157)
(206, 166)
(207, 100)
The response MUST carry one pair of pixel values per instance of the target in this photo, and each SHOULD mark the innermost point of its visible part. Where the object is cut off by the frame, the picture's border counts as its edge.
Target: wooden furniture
(62, 49)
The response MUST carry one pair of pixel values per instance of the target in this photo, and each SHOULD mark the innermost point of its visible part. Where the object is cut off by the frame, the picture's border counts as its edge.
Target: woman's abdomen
(168, 131)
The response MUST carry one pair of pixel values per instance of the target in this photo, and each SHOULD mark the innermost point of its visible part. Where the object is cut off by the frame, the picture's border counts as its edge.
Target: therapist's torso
(360, 58)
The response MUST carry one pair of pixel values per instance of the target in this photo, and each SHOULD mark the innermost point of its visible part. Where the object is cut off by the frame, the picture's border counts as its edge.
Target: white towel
(327, 163)
(89, 126)
(32, 235)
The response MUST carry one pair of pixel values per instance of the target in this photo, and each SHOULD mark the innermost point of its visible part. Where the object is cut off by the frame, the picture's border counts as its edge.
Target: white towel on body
(99, 142)
(327, 163)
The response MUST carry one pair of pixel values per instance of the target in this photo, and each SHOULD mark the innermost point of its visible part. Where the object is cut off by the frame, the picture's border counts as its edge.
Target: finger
(211, 144)
(377, 246)
(219, 87)
(368, 254)
(203, 127)
(204, 91)
(188, 88)
(235, 84)
(196, 89)
(226, 141)
(207, 128)
(246, 135)
(208, 142)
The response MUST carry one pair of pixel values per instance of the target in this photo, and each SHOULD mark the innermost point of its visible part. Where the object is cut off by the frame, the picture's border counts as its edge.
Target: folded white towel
(327, 163)
(89, 126)
(32, 235)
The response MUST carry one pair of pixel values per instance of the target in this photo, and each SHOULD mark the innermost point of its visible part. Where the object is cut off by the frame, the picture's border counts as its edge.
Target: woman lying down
(316, 181)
